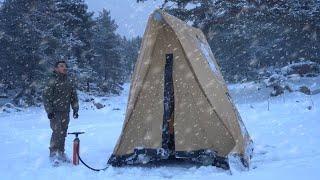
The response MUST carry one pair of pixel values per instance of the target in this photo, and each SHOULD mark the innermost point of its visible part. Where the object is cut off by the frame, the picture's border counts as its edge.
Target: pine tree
(34, 34)
(129, 53)
(107, 61)
(19, 43)
(78, 23)
(77, 39)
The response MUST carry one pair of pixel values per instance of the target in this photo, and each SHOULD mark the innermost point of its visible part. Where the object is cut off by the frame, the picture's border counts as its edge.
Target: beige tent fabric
(197, 125)
(205, 117)
(212, 83)
(128, 139)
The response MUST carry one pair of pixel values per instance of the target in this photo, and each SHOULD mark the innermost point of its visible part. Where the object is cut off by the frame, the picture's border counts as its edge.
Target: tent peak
(157, 15)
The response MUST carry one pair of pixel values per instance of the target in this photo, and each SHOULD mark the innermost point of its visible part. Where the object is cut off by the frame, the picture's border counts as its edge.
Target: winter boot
(54, 159)
(63, 158)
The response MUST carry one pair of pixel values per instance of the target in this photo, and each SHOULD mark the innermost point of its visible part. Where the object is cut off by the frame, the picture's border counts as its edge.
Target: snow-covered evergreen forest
(268, 52)
(36, 34)
(249, 35)
(247, 38)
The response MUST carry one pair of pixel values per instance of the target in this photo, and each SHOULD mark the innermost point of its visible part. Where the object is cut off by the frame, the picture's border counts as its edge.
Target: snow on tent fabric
(205, 50)
(179, 104)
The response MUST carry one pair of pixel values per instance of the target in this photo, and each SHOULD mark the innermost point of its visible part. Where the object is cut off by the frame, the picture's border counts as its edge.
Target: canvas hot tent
(179, 105)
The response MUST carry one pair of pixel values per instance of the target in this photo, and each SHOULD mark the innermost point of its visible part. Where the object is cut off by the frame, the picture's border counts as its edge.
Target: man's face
(61, 68)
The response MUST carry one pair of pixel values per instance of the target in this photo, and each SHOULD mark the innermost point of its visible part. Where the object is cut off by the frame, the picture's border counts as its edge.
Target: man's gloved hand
(75, 115)
(50, 116)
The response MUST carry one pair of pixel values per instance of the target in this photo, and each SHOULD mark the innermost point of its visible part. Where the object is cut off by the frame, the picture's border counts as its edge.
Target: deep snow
(287, 141)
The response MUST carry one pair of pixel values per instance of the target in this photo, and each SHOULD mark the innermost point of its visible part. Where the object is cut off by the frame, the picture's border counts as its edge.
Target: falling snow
(272, 60)
(287, 150)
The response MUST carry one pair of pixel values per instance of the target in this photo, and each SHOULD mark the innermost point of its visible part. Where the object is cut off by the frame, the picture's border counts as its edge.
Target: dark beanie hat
(58, 62)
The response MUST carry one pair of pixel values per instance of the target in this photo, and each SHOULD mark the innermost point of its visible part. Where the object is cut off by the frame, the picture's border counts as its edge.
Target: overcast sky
(130, 16)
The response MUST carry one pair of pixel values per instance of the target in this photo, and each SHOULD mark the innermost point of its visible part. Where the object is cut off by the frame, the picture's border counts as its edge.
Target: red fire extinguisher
(76, 148)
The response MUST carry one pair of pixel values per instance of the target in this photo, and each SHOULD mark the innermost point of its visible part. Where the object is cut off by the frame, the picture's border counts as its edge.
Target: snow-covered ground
(287, 141)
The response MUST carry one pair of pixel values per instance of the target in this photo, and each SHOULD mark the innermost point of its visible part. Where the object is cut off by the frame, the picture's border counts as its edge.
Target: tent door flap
(168, 104)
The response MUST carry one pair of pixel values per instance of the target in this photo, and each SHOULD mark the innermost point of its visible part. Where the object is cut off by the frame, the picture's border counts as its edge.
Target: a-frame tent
(179, 105)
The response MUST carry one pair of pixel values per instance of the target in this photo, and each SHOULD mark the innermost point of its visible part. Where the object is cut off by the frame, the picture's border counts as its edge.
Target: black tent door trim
(146, 155)
(168, 142)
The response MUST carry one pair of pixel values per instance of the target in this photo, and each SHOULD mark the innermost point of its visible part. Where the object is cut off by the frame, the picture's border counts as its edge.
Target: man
(59, 93)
